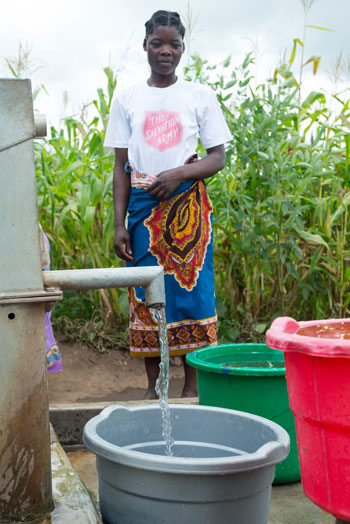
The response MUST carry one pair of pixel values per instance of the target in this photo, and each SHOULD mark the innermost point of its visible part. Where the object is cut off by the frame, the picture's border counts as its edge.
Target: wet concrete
(84, 461)
(71, 498)
(72, 503)
(289, 505)
(25, 474)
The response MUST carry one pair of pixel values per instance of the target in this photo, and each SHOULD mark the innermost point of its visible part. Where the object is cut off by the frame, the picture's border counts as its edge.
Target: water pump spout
(151, 278)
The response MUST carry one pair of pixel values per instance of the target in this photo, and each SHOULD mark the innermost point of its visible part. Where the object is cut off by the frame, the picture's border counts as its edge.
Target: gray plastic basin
(221, 472)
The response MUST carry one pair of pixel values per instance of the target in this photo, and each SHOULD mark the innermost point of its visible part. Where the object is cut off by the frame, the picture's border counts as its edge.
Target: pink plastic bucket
(318, 381)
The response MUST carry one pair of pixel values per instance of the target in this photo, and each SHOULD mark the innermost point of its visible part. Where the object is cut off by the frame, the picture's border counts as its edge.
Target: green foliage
(280, 204)
(92, 332)
(74, 306)
(281, 224)
(74, 181)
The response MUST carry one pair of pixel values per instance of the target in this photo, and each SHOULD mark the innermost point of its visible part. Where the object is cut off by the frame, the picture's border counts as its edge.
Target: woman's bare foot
(152, 370)
(190, 387)
(189, 393)
(150, 395)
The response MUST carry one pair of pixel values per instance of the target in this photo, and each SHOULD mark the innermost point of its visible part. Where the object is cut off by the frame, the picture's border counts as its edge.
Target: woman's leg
(190, 387)
(152, 370)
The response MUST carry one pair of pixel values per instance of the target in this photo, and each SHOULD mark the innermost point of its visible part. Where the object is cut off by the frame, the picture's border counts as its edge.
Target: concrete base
(71, 498)
(73, 504)
(289, 505)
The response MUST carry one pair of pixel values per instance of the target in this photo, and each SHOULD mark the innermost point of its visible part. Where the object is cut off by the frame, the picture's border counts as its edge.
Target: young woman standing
(158, 184)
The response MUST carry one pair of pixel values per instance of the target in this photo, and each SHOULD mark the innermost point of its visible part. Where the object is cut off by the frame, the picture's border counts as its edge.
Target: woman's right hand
(122, 244)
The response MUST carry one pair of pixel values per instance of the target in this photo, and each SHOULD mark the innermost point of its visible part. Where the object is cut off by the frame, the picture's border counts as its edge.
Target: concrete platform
(289, 505)
(73, 504)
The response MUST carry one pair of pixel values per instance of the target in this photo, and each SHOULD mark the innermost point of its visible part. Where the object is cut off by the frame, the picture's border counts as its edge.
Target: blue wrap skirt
(177, 234)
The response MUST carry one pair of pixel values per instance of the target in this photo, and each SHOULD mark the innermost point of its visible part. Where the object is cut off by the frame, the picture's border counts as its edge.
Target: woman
(158, 181)
(53, 355)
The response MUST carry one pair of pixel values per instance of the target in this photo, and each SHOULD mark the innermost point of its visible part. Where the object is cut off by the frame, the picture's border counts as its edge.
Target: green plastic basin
(252, 388)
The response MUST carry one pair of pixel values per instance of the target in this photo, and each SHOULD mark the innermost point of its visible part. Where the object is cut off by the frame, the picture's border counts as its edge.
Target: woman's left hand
(165, 184)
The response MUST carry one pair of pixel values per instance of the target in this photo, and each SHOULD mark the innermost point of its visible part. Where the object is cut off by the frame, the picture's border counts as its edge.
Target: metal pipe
(151, 278)
(40, 126)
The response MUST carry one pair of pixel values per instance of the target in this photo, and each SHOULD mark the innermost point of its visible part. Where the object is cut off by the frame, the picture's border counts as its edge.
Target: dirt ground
(89, 376)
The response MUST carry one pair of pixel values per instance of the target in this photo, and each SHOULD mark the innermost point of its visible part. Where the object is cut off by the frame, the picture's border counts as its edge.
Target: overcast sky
(72, 40)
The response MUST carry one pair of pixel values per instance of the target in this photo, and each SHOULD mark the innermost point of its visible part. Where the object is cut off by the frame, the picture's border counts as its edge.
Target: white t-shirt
(160, 126)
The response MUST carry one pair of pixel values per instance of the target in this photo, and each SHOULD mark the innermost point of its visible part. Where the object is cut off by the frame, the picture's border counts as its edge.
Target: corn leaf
(320, 28)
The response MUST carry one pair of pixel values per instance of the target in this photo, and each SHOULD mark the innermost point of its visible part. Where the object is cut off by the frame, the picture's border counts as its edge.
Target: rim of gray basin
(270, 453)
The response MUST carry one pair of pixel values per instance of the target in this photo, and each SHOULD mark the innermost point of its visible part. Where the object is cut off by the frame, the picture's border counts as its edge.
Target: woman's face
(164, 49)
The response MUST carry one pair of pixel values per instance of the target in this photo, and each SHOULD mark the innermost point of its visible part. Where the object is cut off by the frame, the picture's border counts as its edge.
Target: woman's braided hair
(168, 18)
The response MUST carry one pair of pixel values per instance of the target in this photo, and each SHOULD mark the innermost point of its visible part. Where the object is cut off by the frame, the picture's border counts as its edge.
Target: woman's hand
(193, 169)
(122, 244)
(167, 182)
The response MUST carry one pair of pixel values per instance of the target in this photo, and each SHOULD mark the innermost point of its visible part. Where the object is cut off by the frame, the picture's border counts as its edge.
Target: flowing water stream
(162, 383)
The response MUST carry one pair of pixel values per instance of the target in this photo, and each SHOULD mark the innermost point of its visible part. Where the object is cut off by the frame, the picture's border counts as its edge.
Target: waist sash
(141, 180)
(144, 180)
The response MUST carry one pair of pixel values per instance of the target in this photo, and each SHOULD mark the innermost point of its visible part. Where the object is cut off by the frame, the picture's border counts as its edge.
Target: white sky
(74, 39)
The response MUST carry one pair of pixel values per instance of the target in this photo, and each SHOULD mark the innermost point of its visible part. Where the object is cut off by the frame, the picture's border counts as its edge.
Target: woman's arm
(121, 191)
(168, 181)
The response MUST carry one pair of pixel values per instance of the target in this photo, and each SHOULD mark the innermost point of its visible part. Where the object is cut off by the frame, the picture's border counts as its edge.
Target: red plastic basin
(318, 381)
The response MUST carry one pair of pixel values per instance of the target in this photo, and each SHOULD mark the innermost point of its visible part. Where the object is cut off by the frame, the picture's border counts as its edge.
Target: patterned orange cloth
(180, 232)
(183, 336)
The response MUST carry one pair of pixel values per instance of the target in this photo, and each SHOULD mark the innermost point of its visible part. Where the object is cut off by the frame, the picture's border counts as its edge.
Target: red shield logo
(162, 129)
